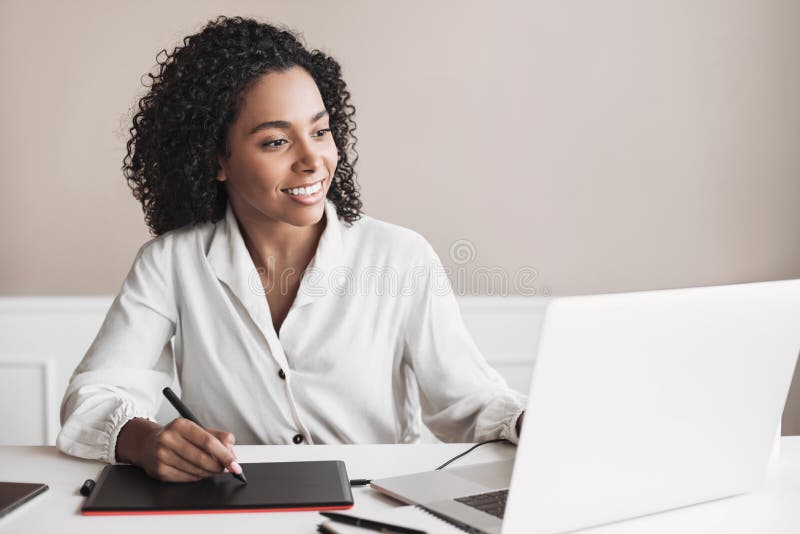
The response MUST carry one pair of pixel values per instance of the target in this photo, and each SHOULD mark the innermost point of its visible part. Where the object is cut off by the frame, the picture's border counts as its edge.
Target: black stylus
(184, 411)
(372, 525)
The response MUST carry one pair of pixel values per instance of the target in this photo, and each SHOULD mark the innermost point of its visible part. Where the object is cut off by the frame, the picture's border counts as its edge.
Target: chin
(305, 215)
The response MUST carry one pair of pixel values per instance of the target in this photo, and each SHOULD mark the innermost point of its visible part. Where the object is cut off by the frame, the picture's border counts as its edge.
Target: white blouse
(373, 340)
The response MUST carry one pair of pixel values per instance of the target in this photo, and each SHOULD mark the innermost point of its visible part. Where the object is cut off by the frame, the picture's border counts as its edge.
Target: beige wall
(611, 146)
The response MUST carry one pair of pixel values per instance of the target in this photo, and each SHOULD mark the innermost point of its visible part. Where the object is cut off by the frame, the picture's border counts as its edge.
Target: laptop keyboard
(493, 502)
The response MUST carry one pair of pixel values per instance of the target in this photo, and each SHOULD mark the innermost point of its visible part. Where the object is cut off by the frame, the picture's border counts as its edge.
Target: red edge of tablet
(227, 511)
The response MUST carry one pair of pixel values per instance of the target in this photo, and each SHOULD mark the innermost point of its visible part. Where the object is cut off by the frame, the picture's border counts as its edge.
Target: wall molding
(72, 304)
(48, 418)
(504, 328)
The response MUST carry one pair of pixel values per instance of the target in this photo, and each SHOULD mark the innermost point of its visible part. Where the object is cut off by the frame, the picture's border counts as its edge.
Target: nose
(309, 156)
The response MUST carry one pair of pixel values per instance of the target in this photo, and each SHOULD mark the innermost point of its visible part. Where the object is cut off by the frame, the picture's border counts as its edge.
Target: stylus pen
(371, 525)
(184, 411)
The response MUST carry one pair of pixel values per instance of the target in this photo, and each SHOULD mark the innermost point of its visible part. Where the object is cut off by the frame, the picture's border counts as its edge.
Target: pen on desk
(184, 411)
(369, 524)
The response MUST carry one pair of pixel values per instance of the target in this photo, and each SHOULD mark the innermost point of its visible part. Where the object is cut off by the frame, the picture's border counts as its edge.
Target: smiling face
(279, 142)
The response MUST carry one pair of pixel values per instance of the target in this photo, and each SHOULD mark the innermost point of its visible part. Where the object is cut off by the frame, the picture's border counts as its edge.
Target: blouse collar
(229, 258)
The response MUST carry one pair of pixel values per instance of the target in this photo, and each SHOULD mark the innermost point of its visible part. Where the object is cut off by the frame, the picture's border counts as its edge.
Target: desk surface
(776, 508)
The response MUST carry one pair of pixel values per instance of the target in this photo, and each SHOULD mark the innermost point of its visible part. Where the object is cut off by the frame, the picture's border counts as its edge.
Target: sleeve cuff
(509, 431)
(119, 419)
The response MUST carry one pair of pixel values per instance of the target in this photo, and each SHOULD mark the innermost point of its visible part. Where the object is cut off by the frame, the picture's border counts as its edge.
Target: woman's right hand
(178, 452)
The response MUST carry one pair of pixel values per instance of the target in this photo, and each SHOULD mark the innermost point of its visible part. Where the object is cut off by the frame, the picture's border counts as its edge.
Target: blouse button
(282, 374)
(298, 439)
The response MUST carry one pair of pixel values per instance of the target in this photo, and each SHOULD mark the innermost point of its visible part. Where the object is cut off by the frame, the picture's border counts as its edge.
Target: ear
(222, 174)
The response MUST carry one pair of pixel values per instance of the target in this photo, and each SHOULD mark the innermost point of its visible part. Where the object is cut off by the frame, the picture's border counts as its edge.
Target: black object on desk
(14, 494)
(273, 486)
(87, 487)
(185, 412)
(371, 525)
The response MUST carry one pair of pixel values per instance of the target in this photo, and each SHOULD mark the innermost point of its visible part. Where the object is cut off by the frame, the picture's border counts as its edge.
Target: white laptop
(639, 402)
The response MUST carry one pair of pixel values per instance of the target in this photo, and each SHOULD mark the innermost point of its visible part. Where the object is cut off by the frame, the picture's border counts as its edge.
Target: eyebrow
(285, 125)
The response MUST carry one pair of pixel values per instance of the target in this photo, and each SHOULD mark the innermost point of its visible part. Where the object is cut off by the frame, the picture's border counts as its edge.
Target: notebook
(278, 486)
(14, 494)
(403, 516)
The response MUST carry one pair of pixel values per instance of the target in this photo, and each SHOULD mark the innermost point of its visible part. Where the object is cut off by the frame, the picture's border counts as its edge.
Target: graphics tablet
(13, 494)
(272, 486)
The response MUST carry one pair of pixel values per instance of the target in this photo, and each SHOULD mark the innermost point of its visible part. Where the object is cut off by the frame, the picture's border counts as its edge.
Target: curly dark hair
(182, 122)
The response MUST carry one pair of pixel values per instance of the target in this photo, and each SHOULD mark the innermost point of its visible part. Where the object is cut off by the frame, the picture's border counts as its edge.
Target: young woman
(295, 317)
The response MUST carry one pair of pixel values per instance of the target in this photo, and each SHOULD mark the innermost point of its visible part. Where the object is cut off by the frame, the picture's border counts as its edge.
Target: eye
(273, 143)
(320, 133)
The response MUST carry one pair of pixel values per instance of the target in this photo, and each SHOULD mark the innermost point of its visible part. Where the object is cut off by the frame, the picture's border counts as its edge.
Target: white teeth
(306, 190)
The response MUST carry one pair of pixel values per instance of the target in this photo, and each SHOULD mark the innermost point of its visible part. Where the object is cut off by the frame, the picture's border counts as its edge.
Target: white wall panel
(42, 339)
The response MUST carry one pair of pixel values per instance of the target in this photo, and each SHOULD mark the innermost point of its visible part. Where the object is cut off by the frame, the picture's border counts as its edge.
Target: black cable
(453, 459)
(365, 481)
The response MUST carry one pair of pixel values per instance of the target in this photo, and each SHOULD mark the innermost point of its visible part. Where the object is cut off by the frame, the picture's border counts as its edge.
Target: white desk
(774, 509)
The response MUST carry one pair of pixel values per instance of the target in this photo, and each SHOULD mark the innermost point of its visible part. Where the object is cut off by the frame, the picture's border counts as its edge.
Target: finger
(208, 444)
(175, 440)
(197, 456)
(225, 437)
(174, 459)
(229, 446)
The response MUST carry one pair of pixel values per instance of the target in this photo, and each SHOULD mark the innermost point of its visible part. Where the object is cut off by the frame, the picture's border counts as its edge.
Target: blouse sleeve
(462, 397)
(129, 362)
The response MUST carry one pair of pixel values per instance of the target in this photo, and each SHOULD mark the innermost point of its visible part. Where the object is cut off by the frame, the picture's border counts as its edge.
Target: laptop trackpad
(425, 487)
(430, 486)
(494, 475)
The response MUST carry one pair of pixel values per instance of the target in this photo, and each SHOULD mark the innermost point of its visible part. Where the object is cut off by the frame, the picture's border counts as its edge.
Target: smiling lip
(304, 185)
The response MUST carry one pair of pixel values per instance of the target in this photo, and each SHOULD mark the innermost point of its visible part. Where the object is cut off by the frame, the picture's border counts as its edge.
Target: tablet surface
(272, 486)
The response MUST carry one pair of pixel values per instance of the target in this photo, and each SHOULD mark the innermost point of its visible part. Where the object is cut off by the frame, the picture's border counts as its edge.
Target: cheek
(263, 171)
(331, 156)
